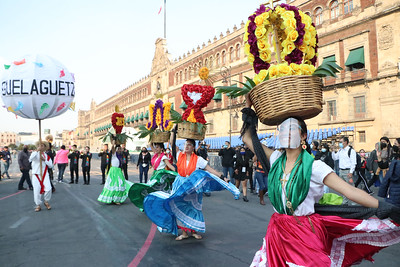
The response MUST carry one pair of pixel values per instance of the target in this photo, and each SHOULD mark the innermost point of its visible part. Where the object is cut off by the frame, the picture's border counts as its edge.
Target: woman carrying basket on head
(295, 184)
(183, 207)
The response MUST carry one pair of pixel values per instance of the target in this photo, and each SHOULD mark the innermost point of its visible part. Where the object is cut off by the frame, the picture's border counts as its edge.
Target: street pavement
(80, 231)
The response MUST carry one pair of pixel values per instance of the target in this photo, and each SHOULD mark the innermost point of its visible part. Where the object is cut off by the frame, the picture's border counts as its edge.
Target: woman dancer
(116, 188)
(296, 235)
(184, 204)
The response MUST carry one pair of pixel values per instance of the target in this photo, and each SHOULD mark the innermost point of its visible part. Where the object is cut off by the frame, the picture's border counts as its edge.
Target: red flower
(118, 122)
(207, 93)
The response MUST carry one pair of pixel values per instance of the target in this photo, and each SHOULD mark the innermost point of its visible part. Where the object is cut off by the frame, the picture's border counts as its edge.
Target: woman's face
(290, 133)
(189, 148)
(157, 149)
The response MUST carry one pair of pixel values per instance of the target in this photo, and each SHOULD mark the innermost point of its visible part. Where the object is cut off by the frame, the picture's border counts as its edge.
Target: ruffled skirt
(184, 203)
(116, 187)
(318, 240)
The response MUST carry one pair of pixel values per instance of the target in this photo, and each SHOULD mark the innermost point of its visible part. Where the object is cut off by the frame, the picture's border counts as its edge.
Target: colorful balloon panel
(37, 87)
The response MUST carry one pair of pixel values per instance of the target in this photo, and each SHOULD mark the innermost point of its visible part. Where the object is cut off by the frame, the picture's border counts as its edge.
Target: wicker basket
(160, 137)
(291, 96)
(188, 130)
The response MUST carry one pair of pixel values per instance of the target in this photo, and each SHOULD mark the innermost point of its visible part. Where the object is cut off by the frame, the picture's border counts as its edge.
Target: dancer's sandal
(197, 236)
(38, 208)
(47, 205)
(181, 237)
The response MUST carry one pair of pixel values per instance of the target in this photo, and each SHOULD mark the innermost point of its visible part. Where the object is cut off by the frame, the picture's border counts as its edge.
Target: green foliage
(234, 91)
(327, 69)
(176, 117)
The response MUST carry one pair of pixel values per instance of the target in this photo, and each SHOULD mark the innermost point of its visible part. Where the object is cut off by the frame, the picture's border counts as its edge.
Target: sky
(108, 45)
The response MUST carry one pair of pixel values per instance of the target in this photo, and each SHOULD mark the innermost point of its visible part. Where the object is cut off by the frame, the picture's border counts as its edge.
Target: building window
(231, 54)
(195, 70)
(206, 62)
(186, 76)
(237, 51)
(218, 60)
(355, 60)
(308, 14)
(176, 78)
(347, 6)
(190, 73)
(318, 16)
(180, 76)
(332, 110)
(223, 57)
(359, 107)
(211, 62)
(361, 137)
(334, 9)
(210, 127)
(234, 123)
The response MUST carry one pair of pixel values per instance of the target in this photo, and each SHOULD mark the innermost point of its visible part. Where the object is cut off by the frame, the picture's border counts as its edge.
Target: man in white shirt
(347, 164)
(40, 176)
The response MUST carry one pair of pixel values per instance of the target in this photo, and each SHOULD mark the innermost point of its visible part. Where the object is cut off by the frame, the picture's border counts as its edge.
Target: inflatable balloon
(37, 87)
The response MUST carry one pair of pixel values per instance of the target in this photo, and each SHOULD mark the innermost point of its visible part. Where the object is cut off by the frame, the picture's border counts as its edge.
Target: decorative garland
(160, 116)
(297, 41)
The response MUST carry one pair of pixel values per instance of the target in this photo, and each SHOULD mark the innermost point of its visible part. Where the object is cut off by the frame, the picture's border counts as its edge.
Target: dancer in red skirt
(296, 235)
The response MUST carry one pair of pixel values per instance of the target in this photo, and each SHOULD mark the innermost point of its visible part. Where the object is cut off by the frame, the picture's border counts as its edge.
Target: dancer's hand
(248, 101)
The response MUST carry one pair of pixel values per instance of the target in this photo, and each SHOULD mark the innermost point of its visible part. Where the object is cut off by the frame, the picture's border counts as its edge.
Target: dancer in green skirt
(116, 187)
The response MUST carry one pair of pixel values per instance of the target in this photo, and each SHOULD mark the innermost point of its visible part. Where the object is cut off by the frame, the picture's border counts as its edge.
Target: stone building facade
(360, 35)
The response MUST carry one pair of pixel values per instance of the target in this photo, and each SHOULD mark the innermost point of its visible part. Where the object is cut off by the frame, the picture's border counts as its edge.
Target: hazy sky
(108, 45)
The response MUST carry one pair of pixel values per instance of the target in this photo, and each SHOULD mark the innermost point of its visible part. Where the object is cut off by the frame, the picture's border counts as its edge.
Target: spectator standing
(7, 161)
(73, 164)
(105, 163)
(202, 150)
(124, 160)
(242, 171)
(51, 153)
(144, 163)
(372, 166)
(384, 157)
(314, 148)
(261, 176)
(86, 158)
(227, 154)
(347, 162)
(24, 166)
(390, 187)
(1, 160)
(61, 159)
(325, 155)
(360, 171)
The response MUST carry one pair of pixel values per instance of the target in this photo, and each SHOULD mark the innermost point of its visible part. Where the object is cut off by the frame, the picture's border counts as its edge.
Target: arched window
(190, 73)
(308, 14)
(186, 76)
(180, 76)
(200, 64)
(237, 51)
(211, 61)
(176, 78)
(318, 16)
(231, 54)
(206, 62)
(223, 57)
(347, 6)
(218, 60)
(334, 9)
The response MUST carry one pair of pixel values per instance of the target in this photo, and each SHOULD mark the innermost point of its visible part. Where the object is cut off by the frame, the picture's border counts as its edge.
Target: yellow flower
(265, 56)
(310, 52)
(167, 109)
(307, 69)
(273, 71)
(258, 78)
(169, 126)
(279, 10)
(303, 47)
(296, 69)
(288, 47)
(287, 15)
(203, 73)
(292, 36)
(290, 23)
(191, 117)
(250, 58)
(260, 31)
(246, 36)
(158, 117)
(263, 44)
(247, 49)
(305, 19)
(284, 70)
(120, 121)
(259, 20)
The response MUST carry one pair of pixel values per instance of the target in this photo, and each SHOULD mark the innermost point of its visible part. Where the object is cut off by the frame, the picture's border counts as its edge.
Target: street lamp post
(226, 79)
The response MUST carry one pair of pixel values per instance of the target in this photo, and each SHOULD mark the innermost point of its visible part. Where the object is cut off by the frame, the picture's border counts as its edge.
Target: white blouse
(319, 171)
(200, 164)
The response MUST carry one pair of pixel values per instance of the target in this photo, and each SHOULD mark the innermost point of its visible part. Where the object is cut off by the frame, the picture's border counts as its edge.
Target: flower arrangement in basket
(292, 86)
(192, 124)
(118, 123)
(160, 124)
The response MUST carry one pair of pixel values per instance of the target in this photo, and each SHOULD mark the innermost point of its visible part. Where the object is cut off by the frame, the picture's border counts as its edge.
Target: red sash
(44, 175)
(156, 160)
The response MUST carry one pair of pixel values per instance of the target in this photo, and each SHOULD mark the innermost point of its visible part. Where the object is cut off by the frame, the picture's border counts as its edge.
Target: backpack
(358, 157)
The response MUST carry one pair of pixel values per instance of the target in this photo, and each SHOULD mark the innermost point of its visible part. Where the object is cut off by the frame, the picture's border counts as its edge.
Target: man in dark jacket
(105, 156)
(227, 154)
(24, 166)
(73, 164)
(390, 187)
(124, 160)
(86, 157)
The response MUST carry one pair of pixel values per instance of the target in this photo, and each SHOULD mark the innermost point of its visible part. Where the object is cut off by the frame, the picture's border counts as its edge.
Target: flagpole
(165, 19)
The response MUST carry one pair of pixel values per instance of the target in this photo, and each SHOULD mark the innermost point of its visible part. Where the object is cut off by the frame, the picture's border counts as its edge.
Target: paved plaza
(80, 231)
